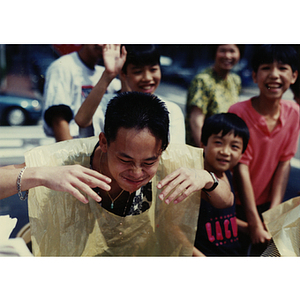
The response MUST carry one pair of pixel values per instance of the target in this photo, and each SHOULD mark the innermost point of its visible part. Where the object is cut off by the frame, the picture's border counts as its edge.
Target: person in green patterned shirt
(212, 91)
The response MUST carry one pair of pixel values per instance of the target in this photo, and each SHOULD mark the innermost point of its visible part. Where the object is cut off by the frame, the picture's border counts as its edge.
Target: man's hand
(113, 58)
(71, 178)
(184, 181)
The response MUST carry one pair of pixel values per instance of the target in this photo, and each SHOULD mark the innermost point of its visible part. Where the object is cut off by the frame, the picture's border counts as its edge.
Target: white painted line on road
(21, 135)
(295, 163)
(11, 143)
(11, 152)
(47, 141)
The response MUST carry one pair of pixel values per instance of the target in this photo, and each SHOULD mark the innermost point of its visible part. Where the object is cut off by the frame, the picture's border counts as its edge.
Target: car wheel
(16, 117)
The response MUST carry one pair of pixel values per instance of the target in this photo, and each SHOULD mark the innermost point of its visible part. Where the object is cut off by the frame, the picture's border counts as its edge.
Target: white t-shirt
(68, 82)
(177, 125)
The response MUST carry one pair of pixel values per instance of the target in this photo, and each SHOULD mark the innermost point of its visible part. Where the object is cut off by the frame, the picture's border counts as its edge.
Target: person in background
(68, 81)
(224, 138)
(213, 90)
(140, 72)
(295, 88)
(263, 171)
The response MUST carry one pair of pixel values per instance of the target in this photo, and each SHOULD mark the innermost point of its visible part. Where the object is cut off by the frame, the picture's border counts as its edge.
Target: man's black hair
(266, 54)
(139, 111)
(141, 55)
(225, 123)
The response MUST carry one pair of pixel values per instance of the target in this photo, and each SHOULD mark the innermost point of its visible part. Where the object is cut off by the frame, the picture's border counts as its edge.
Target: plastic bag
(63, 226)
(283, 223)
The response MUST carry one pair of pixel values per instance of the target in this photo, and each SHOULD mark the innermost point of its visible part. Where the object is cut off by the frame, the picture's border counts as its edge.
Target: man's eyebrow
(129, 157)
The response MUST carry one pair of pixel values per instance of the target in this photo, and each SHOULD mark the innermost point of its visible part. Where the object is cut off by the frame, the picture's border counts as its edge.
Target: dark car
(18, 110)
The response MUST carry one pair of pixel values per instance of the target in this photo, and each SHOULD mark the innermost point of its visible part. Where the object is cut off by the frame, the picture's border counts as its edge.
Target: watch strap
(216, 182)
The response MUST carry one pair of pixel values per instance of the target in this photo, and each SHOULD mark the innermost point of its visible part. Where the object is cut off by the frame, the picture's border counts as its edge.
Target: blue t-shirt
(217, 232)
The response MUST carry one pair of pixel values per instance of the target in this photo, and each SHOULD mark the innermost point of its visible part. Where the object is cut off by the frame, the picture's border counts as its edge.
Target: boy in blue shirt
(224, 139)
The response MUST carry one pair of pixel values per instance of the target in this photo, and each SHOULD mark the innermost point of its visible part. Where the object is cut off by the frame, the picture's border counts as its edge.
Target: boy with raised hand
(138, 67)
(263, 171)
(224, 138)
(69, 80)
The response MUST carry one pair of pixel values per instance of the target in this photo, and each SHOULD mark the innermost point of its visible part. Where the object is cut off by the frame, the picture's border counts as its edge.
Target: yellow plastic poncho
(63, 226)
(283, 223)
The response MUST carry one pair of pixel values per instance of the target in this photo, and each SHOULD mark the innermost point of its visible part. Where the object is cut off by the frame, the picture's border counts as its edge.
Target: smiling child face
(222, 153)
(143, 79)
(273, 79)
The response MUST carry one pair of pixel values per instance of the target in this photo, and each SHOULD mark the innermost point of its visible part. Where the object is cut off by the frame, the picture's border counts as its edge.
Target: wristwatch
(216, 182)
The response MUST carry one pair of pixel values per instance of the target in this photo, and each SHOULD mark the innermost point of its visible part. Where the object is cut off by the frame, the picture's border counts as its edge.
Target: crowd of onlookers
(247, 145)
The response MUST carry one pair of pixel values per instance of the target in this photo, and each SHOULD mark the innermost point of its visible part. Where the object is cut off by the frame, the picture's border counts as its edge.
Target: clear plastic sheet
(283, 223)
(63, 226)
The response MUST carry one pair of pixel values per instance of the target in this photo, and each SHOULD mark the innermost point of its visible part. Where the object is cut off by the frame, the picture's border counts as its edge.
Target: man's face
(143, 79)
(132, 158)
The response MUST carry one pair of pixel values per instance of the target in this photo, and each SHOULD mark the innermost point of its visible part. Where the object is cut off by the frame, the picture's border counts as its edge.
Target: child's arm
(196, 122)
(242, 226)
(280, 181)
(256, 228)
(197, 253)
(113, 62)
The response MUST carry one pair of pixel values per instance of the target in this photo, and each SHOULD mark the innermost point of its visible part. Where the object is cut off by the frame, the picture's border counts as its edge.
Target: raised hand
(114, 59)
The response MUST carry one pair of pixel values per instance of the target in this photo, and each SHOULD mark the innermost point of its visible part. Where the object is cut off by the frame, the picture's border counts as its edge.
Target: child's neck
(219, 174)
(269, 109)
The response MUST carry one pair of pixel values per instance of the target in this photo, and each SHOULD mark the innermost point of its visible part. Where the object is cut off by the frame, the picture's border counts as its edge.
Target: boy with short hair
(138, 67)
(224, 138)
(263, 171)
(69, 80)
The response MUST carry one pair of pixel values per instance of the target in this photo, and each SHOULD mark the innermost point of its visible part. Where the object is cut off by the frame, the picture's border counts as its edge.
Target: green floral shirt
(212, 94)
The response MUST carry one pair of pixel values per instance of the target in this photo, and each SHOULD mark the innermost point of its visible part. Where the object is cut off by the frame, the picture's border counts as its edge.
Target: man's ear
(102, 142)
(254, 77)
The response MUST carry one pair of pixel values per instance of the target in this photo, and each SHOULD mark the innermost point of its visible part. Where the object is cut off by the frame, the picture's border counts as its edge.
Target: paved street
(15, 141)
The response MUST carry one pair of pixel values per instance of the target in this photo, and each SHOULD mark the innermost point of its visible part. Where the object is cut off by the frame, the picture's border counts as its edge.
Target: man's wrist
(214, 185)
